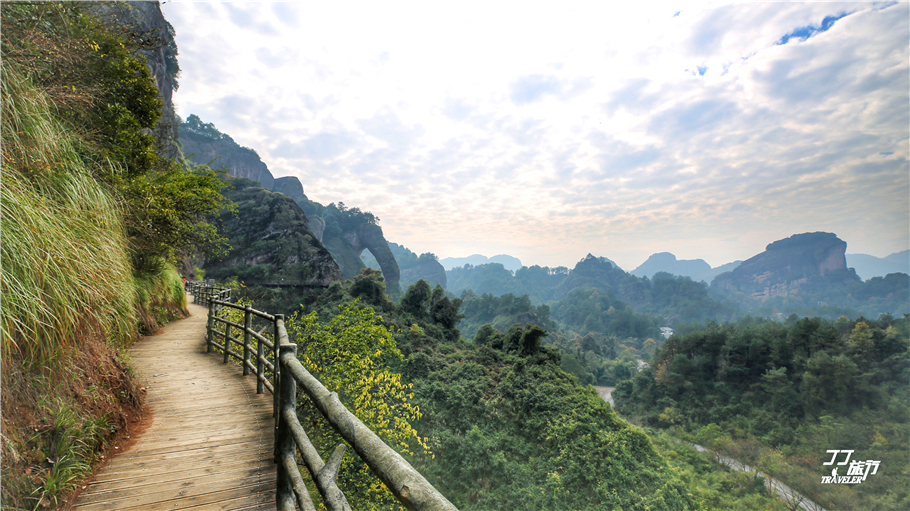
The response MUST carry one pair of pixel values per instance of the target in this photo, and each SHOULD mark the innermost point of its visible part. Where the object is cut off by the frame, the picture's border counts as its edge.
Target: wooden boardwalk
(210, 445)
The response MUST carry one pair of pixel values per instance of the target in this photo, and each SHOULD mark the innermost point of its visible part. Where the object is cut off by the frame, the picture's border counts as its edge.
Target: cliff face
(204, 144)
(145, 26)
(789, 266)
(271, 242)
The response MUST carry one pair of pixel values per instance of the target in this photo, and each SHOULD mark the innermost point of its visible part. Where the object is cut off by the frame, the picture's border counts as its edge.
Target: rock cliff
(802, 262)
(203, 144)
(345, 239)
(145, 26)
(271, 242)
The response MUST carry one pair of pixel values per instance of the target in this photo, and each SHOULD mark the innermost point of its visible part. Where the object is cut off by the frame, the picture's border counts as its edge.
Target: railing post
(260, 366)
(247, 324)
(227, 342)
(209, 329)
(285, 447)
(276, 376)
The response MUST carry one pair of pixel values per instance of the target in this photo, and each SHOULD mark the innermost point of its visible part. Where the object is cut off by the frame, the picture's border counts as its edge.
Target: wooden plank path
(210, 445)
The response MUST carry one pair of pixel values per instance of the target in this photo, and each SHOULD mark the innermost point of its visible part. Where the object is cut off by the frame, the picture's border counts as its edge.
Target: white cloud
(551, 133)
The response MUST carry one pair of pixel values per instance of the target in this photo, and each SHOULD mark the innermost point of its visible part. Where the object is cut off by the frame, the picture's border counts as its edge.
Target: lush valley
(479, 369)
(778, 396)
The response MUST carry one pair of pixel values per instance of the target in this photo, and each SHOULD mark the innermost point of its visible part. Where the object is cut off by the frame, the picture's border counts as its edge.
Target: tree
(416, 299)
(350, 356)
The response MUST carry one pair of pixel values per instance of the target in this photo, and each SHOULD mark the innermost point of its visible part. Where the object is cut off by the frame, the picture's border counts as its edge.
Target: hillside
(270, 241)
(777, 394)
(345, 232)
(95, 214)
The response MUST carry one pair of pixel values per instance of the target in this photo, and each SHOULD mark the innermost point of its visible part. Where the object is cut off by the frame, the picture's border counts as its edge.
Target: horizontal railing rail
(278, 358)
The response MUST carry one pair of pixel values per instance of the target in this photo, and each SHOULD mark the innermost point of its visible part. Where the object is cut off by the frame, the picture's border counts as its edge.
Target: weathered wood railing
(204, 292)
(280, 361)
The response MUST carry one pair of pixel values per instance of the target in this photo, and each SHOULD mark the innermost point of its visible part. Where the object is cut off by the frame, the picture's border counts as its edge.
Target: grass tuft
(65, 264)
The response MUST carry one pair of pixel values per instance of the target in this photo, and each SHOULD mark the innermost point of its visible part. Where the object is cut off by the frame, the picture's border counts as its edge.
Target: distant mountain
(709, 275)
(675, 300)
(807, 274)
(696, 269)
(667, 262)
(508, 262)
(868, 266)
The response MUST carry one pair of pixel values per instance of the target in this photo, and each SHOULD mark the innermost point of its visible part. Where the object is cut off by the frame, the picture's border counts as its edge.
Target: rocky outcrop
(789, 266)
(204, 144)
(145, 26)
(270, 241)
(350, 246)
(290, 186)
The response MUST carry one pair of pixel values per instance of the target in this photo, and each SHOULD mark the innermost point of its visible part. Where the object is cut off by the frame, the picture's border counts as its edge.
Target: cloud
(571, 131)
(249, 18)
(529, 89)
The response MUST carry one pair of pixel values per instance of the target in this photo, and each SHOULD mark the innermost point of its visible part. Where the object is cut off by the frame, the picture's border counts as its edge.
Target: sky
(708, 130)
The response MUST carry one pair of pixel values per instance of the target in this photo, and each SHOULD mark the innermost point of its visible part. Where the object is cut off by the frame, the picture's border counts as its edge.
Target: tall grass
(64, 266)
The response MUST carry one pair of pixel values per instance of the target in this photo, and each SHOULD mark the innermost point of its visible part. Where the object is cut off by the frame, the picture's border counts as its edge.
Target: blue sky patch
(803, 33)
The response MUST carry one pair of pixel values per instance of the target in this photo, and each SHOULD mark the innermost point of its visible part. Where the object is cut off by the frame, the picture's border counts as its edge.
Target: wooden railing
(280, 361)
(205, 291)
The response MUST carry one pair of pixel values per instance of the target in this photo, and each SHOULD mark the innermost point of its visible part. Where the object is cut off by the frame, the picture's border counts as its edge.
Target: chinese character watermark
(857, 471)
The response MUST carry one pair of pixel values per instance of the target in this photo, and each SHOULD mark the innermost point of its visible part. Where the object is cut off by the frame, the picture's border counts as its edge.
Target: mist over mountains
(868, 266)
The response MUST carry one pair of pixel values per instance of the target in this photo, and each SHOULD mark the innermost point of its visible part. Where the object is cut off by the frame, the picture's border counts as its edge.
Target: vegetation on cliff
(413, 267)
(270, 240)
(92, 219)
(345, 232)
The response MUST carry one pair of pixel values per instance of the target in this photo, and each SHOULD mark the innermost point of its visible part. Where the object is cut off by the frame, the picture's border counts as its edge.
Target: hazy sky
(544, 132)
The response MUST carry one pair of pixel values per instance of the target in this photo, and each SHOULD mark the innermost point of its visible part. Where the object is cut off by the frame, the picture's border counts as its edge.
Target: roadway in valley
(784, 492)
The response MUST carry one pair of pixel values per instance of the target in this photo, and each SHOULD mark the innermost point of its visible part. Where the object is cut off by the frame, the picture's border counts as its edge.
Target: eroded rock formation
(204, 144)
(789, 266)
(270, 241)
